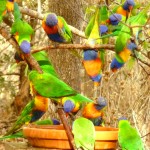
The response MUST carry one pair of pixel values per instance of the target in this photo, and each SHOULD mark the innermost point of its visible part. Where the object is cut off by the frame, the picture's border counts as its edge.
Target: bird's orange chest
(54, 29)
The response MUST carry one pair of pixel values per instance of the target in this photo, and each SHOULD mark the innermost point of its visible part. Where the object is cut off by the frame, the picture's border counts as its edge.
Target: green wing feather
(66, 33)
(84, 133)
(89, 27)
(45, 63)
(23, 29)
(17, 14)
(2, 8)
(50, 86)
(19, 134)
(80, 98)
(23, 118)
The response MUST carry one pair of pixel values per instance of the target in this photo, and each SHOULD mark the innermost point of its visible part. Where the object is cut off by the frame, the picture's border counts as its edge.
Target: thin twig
(75, 46)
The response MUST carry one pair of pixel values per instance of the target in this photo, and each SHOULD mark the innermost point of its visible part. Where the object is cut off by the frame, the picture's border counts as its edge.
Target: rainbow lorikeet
(33, 111)
(92, 60)
(128, 137)
(84, 134)
(19, 132)
(122, 57)
(125, 46)
(56, 28)
(94, 110)
(126, 8)
(21, 31)
(92, 64)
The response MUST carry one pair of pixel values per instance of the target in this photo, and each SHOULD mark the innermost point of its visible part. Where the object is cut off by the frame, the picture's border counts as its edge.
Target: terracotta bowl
(54, 136)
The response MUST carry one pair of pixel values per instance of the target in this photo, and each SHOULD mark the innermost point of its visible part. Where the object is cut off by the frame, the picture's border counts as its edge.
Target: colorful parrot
(84, 134)
(33, 111)
(128, 137)
(21, 31)
(126, 8)
(94, 110)
(56, 28)
(122, 57)
(19, 134)
(93, 64)
(92, 58)
(125, 46)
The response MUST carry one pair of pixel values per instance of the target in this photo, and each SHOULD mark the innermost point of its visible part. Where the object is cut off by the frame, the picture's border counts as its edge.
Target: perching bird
(19, 134)
(128, 137)
(21, 31)
(126, 8)
(33, 111)
(124, 45)
(71, 104)
(122, 57)
(94, 110)
(93, 64)
(92, 58)
(84, 134)
(56, 28)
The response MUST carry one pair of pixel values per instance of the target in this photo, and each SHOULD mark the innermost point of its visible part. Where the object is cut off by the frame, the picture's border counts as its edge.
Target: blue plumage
(128, 4)
(115, 18)
(103, 29)
(116, 64)
(56, 37)
(36, 114)
(68, 106)
(96, 78)
(51, 20)
(90, 54)
(25, 47)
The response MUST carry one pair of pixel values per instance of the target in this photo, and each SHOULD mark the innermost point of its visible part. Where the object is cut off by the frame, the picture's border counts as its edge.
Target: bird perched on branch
(21, 31)
(94, 111)
(92, 60)
(126, 8)
(18, 133)
(125, 45)
(128, 137)
(123, 56)
(56, 28)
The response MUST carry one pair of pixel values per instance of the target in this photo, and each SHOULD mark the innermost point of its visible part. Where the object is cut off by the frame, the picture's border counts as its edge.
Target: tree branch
(75, 46)
(34, 14)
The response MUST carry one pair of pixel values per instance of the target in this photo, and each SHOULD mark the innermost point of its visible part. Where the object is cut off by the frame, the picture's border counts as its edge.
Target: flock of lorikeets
(102, 25)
